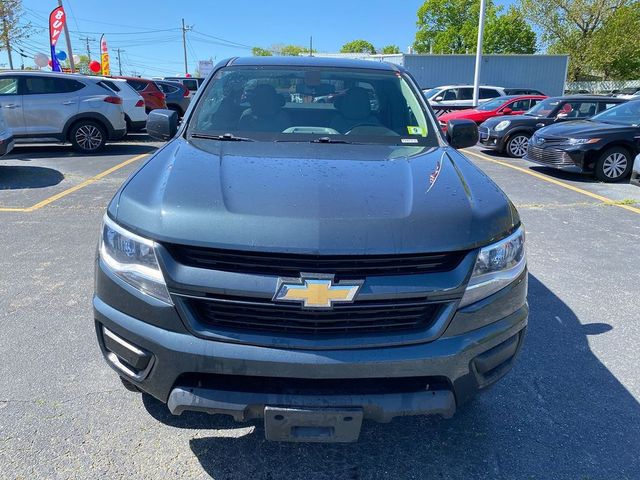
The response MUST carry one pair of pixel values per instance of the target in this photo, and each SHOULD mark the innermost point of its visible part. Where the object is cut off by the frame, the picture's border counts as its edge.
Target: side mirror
(439, 98)
(507, 111)
(162, 124)
(462, 133)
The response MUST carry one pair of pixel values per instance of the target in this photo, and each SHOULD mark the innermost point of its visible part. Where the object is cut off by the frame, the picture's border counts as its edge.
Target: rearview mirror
(507, 111)
(162, 124)
(462, 133)
(439, 98)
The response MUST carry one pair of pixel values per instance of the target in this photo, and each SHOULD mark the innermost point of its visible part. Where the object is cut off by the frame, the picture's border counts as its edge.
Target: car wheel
(613, 165)
(517, 145)
(87, 136)
(129, 385)
(176, 109)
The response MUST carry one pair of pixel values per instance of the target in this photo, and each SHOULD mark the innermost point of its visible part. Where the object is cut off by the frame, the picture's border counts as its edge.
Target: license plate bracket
(322, 425)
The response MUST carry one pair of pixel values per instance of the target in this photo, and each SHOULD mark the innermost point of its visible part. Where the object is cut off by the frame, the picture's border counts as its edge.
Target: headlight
(496, 267)
(581, 141)
(502, 125)
(133, 259)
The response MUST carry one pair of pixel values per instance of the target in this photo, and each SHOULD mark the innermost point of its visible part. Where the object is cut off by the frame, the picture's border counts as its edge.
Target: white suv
(59, 107)
(461, 95)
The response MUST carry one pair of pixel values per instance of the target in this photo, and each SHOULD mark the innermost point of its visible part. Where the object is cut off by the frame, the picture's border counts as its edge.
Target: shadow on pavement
(560, 414)
(28, 152)
(17, 177)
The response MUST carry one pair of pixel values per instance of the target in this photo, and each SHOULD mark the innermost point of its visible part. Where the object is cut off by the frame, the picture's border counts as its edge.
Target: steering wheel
(362, 125)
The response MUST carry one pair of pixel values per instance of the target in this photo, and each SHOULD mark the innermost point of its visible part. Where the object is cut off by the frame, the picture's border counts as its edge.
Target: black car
(312, 264)
(604, 145)
(511, 133)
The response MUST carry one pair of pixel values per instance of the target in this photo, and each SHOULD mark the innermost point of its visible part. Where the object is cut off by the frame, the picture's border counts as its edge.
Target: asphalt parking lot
(569, 410)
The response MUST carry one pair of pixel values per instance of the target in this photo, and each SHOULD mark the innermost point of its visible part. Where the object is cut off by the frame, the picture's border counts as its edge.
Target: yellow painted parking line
(75, 188)
(554, 181)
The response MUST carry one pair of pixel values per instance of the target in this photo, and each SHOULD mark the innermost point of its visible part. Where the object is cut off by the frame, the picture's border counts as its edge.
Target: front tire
(517, 145)
(613, 165)
(87, 136)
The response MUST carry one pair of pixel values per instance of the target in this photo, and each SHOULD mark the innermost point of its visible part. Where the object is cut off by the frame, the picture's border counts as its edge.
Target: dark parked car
(635, 172)
(604, 145)
(312, 264)
(177, 96)
(511, 134)
(523, 91)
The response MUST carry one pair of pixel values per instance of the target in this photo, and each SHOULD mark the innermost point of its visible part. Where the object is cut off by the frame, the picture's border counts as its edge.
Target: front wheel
(613, 165)
(517, 145)
(87, 136)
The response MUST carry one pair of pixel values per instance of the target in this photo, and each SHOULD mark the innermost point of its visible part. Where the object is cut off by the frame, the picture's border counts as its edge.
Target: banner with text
(56, 24)
(104, 57)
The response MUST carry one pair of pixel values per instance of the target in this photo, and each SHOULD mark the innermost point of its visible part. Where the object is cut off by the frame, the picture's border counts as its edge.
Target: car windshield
(544, 108)
(431, 92)
(340, 105)
(624, 114)
(491, 104)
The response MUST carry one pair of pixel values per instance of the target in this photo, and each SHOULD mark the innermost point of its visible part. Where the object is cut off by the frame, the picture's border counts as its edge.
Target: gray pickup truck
(310, 263)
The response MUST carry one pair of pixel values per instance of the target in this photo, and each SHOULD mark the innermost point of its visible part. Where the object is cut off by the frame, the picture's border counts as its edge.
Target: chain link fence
(602, 86)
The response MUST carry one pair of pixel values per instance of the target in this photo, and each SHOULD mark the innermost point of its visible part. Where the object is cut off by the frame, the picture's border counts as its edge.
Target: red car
(153, 96)
(507, 105)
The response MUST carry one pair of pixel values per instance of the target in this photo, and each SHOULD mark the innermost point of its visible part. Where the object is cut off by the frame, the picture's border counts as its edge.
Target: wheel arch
(93, 116)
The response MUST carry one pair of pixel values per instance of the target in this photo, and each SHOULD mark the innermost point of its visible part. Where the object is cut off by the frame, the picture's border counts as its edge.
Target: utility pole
(476, 77)
(68, 39)
(119, 50)
(87, 39)
(185, 29)
(5, 34)
(311, 46)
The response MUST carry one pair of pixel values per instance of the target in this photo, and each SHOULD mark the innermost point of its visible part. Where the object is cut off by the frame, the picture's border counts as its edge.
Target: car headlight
(502, 125)
(496, 267)
(581, 141)
(133, 259)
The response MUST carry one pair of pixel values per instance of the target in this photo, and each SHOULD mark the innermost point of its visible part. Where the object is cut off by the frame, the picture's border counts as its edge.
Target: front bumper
(575, 159)
(491, 139)
(478, 347)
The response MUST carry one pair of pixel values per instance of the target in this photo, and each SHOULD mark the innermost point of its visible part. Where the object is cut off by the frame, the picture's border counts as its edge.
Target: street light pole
(476, 77)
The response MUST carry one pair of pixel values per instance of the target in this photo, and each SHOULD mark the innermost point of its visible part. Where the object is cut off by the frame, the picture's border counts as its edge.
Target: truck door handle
(11, 105)
(68, 102)
(539, 125)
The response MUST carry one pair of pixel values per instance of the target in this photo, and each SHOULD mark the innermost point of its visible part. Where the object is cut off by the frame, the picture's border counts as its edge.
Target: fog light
(131, 360)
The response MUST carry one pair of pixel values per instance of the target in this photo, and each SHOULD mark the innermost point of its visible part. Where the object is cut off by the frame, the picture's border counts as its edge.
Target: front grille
(483, 132)
(550, 156)
(292, 265)
(367, 316)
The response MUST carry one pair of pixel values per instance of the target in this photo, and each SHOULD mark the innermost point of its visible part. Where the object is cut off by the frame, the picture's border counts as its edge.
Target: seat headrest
(266, 101)
(354, 104)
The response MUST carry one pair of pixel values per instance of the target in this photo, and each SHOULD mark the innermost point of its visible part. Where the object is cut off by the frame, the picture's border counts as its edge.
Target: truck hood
(313, 198)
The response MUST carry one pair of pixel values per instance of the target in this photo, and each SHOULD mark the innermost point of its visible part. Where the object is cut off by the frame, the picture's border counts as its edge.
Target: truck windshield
(334, 105)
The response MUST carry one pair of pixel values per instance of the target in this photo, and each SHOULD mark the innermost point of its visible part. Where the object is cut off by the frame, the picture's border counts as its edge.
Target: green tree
(614, 51)
(390, 49)
(260, 52)
(572, 27)
(292, 50)
(11, 28)
(82, 66)
(509, 34)
(358, 46)
(451, 26)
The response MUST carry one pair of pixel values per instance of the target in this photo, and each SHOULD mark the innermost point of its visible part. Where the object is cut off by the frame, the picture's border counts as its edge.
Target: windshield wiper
(227, 137)
(328, 140)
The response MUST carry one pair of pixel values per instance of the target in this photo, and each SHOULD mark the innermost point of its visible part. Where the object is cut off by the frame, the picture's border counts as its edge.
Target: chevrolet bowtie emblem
(317, 291)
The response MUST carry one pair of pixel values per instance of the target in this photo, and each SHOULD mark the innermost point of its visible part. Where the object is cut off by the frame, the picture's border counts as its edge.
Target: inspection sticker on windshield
(417, 131)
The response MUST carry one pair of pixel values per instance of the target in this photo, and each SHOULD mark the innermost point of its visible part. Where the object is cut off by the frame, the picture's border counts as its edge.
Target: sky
(149, 31)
